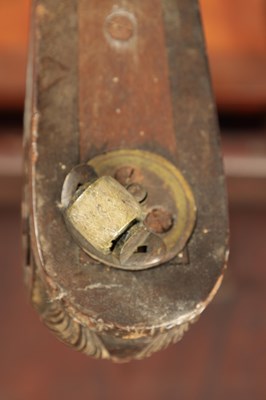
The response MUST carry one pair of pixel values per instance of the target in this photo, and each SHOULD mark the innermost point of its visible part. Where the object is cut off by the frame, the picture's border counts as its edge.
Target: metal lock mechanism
(139, 216)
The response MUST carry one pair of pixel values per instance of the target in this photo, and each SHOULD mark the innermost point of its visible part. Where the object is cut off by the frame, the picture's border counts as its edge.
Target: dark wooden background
(224, 355)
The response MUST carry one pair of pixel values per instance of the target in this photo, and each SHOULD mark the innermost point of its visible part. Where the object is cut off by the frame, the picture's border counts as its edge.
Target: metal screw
(124, 175)
(120, 27)
(138, 192)
(159, 221)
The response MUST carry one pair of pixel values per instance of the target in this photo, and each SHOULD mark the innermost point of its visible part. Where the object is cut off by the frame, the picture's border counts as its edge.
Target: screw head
(159, 221)
(124, 175)
(120, 27)
(138, 192)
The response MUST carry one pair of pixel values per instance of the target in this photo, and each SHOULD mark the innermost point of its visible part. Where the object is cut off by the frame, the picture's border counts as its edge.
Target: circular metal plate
(168, 208)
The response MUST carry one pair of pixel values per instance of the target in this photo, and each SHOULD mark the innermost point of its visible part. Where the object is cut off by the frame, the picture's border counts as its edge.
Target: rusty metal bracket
(119, 106)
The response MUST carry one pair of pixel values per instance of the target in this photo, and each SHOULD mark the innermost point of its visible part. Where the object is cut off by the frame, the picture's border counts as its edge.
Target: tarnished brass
(107, 222)
(167, 191)
(125, 228)
(101, 212)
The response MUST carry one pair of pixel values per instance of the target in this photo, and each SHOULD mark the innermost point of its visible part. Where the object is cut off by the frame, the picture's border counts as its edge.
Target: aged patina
(112, 81)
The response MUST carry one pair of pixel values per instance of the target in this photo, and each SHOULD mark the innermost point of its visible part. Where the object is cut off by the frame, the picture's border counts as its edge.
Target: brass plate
(167, 189)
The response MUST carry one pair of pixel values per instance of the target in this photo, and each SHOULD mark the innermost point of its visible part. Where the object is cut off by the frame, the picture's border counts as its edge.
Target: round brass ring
(167, 190)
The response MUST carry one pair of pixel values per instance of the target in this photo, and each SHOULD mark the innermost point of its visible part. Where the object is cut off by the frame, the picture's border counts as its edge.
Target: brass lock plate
(133, 186)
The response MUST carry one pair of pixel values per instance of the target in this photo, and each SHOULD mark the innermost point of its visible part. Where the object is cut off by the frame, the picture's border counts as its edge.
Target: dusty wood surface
(73, 117)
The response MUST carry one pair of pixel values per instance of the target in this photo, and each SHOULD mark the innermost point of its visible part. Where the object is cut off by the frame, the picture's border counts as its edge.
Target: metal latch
(139, 216)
